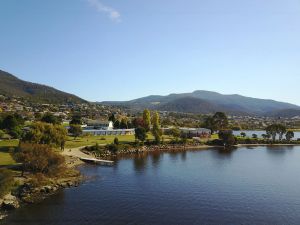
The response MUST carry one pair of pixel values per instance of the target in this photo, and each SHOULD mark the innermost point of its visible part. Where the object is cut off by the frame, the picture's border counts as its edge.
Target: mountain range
(205, 102)
(200, 102)
(11, 86)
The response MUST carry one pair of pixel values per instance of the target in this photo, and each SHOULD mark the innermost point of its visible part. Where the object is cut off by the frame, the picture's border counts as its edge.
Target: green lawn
(5, 158)
(103, 140)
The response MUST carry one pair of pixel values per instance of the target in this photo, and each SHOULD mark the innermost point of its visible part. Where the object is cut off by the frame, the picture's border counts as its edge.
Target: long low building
(191, 132)
(109, 132)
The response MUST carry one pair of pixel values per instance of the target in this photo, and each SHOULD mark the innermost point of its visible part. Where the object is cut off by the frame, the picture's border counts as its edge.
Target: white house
(99, 125)
(102, 128)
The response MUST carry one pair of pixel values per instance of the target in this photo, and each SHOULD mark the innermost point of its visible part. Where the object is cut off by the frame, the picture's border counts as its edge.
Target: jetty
(98, 161)
(76, 152)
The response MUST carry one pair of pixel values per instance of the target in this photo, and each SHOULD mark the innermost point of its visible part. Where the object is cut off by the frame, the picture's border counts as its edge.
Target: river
(257, 185)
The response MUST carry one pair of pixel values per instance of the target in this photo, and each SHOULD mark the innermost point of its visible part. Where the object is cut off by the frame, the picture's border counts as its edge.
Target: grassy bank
(104, 140)
(5, 157)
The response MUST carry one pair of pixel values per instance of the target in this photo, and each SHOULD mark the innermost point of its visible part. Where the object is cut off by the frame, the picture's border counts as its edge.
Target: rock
(10, 202)
(2, 216)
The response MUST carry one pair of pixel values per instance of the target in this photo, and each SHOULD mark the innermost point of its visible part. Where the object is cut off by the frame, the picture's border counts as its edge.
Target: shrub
(38, 180)
(113, 148)
(38, 158)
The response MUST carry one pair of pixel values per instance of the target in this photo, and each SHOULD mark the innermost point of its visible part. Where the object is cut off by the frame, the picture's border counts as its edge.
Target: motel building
(191, 132)
(103, 128)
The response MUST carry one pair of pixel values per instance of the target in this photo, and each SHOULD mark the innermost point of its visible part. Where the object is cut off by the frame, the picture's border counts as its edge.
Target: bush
(113, 148)
(38, 158)
(38, 180)
(6, 181)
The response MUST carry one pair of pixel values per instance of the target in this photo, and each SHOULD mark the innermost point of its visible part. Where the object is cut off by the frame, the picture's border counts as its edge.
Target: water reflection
(183, 155)
(252, 185)
(156, 156)
(223, 153)
(140, 162)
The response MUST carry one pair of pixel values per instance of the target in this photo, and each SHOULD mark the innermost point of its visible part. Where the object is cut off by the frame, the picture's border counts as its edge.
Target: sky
(125, 49)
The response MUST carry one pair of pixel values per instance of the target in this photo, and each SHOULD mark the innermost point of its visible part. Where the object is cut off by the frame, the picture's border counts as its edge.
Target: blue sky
(124, 49)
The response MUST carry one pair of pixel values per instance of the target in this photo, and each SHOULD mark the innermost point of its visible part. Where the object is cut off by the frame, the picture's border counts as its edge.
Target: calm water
(260, 133)
(246, 186)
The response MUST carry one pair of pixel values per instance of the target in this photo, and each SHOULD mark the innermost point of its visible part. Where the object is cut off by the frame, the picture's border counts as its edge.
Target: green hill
(207, 102)
(11, 86)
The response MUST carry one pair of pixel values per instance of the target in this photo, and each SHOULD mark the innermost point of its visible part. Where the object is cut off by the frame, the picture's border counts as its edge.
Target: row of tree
(146, 124)
(280, 130)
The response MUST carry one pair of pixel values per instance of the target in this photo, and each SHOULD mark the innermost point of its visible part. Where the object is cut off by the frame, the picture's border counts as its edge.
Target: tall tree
(209, 124)
(281, 130)
(156, 131)
(76, 119)
(140, 134)
(147, 119)
(138, 122)
(272, 131)
(227, 138)
(112, 118)
(117, 124)
(220, 121)
(124, 123)
(50, 118)
(175, 132)
(289, 135)
(75, 130)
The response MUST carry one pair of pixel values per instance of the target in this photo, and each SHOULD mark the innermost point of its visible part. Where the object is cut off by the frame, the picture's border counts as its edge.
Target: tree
(156, 131)
(140, 134)
(209, 124)
(75, 130)
(272, 131)
(45, 133)
(243, 134)
(117, 124)
(227, 138)
(12, 124)
(138, 122)
(9, 122)
(6, 181)
(123, 124)
(147, 119)
(281, 129)
(50, 118)
(275, 129)
(175, 132)
(37, 158)
(76, 119)
(116, 141)
(220, 121)
(112, 118)
(254, 136)
(289, 135)
(265, 136)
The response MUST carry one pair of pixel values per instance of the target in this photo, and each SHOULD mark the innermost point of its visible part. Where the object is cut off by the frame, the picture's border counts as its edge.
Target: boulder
(10, 202)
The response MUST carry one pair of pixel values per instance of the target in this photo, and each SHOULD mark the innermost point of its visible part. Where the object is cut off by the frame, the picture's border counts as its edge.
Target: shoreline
(25, 194)
(169, 148)
(32, 196)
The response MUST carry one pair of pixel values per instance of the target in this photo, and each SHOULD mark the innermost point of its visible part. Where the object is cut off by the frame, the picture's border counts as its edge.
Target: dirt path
(76, 152)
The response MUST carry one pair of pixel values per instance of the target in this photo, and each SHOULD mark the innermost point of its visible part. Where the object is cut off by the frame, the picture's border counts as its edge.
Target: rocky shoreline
(27, 194)
(170, 148)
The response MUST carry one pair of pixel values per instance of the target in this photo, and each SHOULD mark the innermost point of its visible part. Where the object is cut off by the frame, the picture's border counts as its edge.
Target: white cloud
(111, 12)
